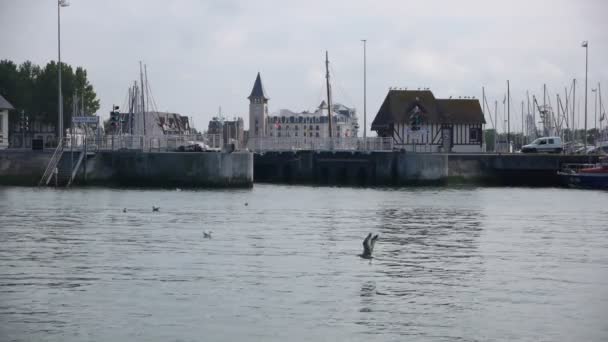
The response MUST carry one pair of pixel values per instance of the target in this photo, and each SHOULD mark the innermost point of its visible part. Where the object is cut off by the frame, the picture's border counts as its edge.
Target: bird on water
(368, 246)
(155, 209)
(124, 210)
(207, 234)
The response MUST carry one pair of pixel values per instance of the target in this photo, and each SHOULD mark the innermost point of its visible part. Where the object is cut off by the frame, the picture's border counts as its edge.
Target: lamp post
(60, 3)
(586, 46)
(364, 90)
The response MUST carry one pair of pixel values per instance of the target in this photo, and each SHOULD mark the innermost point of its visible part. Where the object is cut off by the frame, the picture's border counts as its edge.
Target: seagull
(246, 204)
(124, 210)
(368, 246)
(155, 208)
(207, 234)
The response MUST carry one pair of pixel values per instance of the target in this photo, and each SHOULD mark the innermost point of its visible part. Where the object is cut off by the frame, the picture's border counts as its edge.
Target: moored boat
(591, 176)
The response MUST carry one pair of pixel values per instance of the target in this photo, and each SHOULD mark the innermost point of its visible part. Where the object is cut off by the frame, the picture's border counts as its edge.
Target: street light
(586, 46)
(364, 89)
(60, 3)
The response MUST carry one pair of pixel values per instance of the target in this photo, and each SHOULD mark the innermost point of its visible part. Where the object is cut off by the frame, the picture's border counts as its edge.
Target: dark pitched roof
(258, 89)
(398, 104)
(4, 104)
(461, 111)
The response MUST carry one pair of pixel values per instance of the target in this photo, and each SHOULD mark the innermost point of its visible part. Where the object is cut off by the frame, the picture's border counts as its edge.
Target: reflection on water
(450, 264)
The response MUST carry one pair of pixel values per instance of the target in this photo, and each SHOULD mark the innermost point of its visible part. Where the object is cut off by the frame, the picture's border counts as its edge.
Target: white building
(307, 124)
(314, 124)
(417, 121)
(5, 106)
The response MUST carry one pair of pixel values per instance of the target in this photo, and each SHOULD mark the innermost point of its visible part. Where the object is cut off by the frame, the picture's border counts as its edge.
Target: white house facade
(5, 106)
(417, 121)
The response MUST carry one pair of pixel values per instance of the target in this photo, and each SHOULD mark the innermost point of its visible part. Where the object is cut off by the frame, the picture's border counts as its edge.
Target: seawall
(402, 168)
(135, 168)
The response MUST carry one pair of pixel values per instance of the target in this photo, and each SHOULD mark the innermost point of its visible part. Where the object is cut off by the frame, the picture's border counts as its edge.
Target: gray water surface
(498, 264)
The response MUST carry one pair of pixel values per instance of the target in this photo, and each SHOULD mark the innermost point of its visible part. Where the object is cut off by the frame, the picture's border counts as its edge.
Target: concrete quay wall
(403, 168)
(23, 167)
(135, 168)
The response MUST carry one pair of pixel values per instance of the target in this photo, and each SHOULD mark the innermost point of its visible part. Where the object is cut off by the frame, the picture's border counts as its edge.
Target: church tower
(258, 109)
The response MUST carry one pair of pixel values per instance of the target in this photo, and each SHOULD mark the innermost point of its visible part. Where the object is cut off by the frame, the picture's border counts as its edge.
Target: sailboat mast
(143, 103)
(328, 93)
(508, 115)
(573, 108)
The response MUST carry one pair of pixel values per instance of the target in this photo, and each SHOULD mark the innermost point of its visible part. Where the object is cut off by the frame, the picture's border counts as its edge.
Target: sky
(201, 55)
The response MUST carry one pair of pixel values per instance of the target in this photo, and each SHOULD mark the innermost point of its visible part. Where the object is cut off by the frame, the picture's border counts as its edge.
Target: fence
(320, 144)
(163, 143)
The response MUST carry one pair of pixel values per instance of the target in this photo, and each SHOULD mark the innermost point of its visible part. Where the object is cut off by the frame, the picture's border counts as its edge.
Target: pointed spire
(258, 89)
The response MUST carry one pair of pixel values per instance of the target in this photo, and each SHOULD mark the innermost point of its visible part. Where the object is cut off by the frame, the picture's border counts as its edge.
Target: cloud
(203, 54)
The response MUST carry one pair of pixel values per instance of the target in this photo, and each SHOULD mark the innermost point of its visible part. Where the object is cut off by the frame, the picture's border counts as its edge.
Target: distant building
(287, 123)
(5, 106)
(231, 131)
(258, 109)
(416, 120)
(314, 124)
(156, 123)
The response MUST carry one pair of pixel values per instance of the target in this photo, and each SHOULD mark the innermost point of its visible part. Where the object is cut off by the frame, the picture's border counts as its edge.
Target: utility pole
(508, 115)
(496, 123)
(60, 3)
(364, 89)
(573, 108)
(328, 93)
(586, 46)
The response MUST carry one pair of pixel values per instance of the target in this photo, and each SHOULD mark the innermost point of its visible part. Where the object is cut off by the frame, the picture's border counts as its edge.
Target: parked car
(193, 146)
(544, 144)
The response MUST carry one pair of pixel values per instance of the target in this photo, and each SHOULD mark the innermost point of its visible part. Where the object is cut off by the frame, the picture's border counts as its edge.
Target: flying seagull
(368, 246)
(155, 208)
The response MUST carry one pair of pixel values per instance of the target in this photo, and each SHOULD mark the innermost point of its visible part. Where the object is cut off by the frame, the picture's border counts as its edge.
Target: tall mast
(143, 103)
(328, 92)
(483, 101)
(523, 135)
(508, 115)
(573, 108)
(364, 88)
(496, 123)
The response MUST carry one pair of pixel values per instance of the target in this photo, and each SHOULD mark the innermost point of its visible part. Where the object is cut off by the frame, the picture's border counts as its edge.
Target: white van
(544, 144)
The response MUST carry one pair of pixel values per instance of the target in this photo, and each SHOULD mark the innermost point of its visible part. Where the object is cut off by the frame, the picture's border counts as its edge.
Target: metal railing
(320, 144)
(162, 143)
(50, 167)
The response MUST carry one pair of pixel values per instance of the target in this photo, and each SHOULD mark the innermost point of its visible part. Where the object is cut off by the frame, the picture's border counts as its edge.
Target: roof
(398, 105)
(4, 104)
(258, 89)
(461, 111)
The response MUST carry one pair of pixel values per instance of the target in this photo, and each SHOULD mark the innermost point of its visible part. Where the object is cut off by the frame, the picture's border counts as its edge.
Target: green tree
(34, 90)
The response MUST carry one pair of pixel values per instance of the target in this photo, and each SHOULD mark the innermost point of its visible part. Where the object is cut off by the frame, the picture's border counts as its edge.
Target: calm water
(499, 264)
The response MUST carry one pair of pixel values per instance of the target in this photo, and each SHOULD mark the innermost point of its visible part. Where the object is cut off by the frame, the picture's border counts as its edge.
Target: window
(278, 134)
(542, 142)
(550, 140)
(310, 134)
(474, 134)
(310, 128)
(2, 121)
(296, 125)
(317, 134)
(317, 125)
(295, 135)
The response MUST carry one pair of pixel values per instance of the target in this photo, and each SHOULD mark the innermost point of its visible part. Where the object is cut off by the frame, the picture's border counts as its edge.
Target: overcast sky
(205, 54)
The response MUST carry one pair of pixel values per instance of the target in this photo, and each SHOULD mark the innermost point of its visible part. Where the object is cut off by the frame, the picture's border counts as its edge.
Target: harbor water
(451, 264)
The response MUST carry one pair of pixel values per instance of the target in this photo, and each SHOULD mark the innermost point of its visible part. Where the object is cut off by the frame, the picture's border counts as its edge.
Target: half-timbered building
(417, 121)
